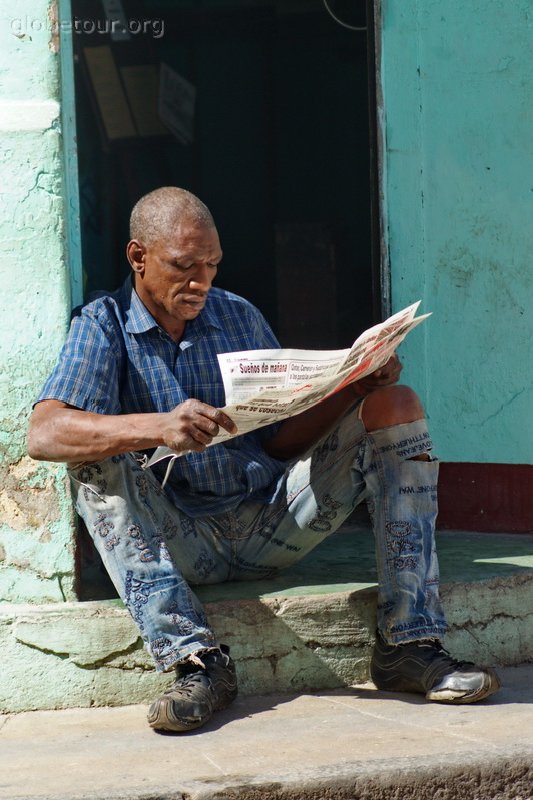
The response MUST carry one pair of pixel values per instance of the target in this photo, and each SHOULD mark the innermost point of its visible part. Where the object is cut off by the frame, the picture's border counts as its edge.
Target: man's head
(174, 252)
(156, 216)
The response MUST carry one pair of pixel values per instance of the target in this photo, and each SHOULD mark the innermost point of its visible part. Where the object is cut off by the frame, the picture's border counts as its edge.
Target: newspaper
(266, 386)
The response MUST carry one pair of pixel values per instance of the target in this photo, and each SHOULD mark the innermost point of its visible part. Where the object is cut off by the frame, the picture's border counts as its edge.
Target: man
(139, 370)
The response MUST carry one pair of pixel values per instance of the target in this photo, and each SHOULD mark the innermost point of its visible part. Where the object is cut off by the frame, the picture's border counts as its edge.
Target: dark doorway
(280, 150)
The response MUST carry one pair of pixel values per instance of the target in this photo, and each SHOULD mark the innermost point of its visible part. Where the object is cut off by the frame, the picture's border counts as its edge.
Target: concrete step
(311, 628)
(347, 744)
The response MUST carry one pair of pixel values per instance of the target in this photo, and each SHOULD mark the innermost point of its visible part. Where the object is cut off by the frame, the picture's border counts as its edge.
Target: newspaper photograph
(266, 386)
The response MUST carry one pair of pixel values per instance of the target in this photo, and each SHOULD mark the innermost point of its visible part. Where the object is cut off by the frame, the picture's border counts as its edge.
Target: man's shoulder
(105, 307)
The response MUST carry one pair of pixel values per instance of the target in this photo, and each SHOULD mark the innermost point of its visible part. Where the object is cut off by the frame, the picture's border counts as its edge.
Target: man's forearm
(298, 433)
(71, 435)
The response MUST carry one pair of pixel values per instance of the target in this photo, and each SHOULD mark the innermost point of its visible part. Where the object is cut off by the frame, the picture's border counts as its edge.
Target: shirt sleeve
(87, 374)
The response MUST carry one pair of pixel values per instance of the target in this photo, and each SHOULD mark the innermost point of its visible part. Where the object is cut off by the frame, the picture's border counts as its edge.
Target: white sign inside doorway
(177, 98)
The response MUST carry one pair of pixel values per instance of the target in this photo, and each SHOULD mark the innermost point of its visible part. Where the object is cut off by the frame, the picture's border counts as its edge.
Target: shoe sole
(161, 716)
(490, 686)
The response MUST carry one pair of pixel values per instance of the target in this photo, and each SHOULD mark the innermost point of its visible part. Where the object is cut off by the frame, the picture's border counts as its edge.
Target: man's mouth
(194, 300)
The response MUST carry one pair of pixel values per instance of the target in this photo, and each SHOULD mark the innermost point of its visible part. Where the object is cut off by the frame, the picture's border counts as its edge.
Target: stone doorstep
(342, 744)
(299, 632)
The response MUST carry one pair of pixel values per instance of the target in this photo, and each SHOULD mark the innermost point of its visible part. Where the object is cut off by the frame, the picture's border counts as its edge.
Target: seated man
(139, 370)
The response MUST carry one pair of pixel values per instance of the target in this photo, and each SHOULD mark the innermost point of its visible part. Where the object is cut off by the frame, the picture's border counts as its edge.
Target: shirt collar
(139, 319)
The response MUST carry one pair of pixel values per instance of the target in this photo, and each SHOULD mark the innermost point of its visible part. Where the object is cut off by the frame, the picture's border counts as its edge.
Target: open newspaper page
(266, 386)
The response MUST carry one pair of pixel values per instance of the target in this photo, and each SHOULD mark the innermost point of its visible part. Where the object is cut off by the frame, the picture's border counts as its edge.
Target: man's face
(173, 276)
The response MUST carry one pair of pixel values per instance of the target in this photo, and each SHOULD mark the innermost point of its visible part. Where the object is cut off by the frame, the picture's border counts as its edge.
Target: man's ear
(136, 253)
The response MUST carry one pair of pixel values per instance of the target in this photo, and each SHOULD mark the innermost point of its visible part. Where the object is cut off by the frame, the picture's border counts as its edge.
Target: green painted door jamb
(70, 153)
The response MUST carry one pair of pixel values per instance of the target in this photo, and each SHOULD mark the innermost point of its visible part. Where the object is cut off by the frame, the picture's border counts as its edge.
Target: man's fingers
(389, 371)
(194, 425)
(224, 421)
(208, 423)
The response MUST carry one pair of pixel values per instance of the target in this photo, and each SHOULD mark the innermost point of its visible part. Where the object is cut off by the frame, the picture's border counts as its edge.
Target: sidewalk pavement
(351, 743)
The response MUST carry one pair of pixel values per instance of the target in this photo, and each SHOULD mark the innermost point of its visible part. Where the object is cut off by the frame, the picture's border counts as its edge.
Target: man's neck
(174, 327)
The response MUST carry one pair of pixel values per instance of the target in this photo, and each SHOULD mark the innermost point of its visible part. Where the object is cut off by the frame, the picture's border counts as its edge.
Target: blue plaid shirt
(117, 360)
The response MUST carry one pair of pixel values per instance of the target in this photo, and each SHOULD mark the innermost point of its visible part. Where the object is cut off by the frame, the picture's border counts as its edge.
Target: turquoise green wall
(458, 200)
(36, 547)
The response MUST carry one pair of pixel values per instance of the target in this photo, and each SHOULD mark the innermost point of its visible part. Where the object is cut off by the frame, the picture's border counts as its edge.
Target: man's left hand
(386, 375)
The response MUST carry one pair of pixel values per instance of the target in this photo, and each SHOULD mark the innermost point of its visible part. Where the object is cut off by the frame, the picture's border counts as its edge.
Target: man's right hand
(193, 425)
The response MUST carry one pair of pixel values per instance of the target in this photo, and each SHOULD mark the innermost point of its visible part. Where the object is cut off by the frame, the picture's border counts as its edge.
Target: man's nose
(202, 278)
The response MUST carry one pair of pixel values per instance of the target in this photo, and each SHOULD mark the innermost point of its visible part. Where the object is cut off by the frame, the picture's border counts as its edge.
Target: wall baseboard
(486, 497)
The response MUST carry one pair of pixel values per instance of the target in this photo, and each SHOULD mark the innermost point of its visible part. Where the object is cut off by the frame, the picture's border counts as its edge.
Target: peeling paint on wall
(26, 496)
(53, 19)
(37, 553)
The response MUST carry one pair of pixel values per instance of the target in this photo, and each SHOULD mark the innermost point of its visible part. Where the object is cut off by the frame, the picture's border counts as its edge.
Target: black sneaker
(425, 666)
(196, 693)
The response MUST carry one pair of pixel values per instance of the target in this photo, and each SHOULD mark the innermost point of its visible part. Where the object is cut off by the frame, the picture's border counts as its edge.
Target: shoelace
(188, 683)
(441, 651)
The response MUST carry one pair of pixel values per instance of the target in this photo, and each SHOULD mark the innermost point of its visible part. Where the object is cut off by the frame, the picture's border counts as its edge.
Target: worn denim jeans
(154, 553)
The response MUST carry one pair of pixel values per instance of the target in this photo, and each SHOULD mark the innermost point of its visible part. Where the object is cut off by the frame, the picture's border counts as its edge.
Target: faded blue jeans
(153, 552)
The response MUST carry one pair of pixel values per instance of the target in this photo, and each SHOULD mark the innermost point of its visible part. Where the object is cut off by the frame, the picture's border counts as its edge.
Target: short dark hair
(156, 215)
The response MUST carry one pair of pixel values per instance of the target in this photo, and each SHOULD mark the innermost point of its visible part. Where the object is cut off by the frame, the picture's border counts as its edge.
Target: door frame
(72, 231)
